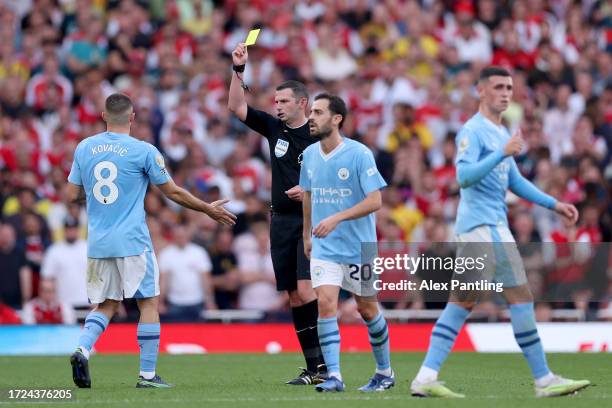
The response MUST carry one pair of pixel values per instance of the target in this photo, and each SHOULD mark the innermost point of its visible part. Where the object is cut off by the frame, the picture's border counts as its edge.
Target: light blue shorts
(122, 277)
(496, 246)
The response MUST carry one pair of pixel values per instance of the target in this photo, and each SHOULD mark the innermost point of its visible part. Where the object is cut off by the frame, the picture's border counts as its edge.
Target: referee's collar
(297, 127)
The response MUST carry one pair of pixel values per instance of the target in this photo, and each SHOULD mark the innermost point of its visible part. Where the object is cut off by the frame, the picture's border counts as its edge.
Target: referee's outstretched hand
(220, 214)
(240, 55)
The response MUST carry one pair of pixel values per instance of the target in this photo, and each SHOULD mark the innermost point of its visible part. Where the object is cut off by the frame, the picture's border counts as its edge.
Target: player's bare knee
(108, 307)
(328, 306)
(465, 299)
(368, 309)
(518, 294)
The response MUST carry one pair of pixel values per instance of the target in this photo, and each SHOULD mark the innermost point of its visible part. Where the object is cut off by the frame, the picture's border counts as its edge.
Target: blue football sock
(378, 333)
(148, 340)
(329, 338)
(526, 335)
(444, 334)
(95, 324)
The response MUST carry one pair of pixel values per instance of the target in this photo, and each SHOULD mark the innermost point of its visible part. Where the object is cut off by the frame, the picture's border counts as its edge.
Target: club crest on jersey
(281, 148)
(343, 173)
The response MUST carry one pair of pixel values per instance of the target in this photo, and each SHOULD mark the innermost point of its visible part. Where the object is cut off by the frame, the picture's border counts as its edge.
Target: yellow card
(252, 37)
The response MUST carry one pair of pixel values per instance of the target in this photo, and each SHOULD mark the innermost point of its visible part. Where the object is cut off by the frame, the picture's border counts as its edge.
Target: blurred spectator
(16, 275)
(185, 282)
(559, 123)
(258, 286)
(17, 212)
(567, 258)
(49, 80)
(35, 244)
(65, 266)
(7, 314)
(331, 61)
(218, 145)
(87, 47)
(404, 128)
(225, 273)
(471, 38)
(47, 308)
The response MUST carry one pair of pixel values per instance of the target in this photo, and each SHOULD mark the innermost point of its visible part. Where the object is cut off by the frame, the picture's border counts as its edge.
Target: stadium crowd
(407, 70)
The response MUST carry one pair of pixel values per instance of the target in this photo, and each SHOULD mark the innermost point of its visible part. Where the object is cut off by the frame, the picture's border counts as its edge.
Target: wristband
(238, 68)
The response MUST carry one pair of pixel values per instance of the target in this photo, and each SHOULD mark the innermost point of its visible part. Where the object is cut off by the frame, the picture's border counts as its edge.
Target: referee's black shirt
(286, 147)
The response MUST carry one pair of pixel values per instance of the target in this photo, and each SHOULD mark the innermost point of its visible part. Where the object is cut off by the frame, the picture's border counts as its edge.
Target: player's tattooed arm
(76, 194)
(81, 197)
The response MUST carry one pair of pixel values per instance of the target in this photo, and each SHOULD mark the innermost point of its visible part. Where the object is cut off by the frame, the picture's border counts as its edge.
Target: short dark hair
(298, 88)
(336, 106)
(118, 107)
(488, 72)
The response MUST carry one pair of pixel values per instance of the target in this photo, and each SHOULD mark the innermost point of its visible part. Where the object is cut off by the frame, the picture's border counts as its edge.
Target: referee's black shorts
(287, 248)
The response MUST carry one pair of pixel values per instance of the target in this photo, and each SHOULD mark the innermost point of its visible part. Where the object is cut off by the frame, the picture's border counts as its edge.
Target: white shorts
(350, 277)
(503, 262)
(123, 277)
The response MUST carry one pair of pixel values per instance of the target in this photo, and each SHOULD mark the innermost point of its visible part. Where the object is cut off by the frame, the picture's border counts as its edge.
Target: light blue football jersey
(114, 170)
(338, 181)
(484, 202)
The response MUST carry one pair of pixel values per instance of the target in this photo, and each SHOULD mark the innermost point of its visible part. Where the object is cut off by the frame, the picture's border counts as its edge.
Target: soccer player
(485, 170)
(288, 135)
(342, 192)
(112, 171)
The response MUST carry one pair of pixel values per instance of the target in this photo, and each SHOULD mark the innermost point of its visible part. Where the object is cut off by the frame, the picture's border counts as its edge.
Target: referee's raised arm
(236, 102)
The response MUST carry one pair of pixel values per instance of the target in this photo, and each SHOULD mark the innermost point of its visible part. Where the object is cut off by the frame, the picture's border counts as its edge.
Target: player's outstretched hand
(240, 55)
(220, 214)
(567, 211)
(515, 144)
(295, 193)
(325, 227)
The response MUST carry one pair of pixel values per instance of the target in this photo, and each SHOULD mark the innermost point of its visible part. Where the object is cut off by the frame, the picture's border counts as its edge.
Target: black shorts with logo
(287, 248)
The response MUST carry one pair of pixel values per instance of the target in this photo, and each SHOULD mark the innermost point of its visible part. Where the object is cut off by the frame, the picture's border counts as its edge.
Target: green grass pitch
(257, 380)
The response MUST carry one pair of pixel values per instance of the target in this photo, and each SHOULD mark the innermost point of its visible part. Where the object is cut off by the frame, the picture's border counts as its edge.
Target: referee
(288, 135)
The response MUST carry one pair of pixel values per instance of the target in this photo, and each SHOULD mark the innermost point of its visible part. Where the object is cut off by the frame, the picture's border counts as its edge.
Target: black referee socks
(305, 322)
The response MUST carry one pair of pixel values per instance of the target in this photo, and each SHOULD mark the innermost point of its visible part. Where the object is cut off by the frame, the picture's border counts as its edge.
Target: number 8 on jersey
(107, 182)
